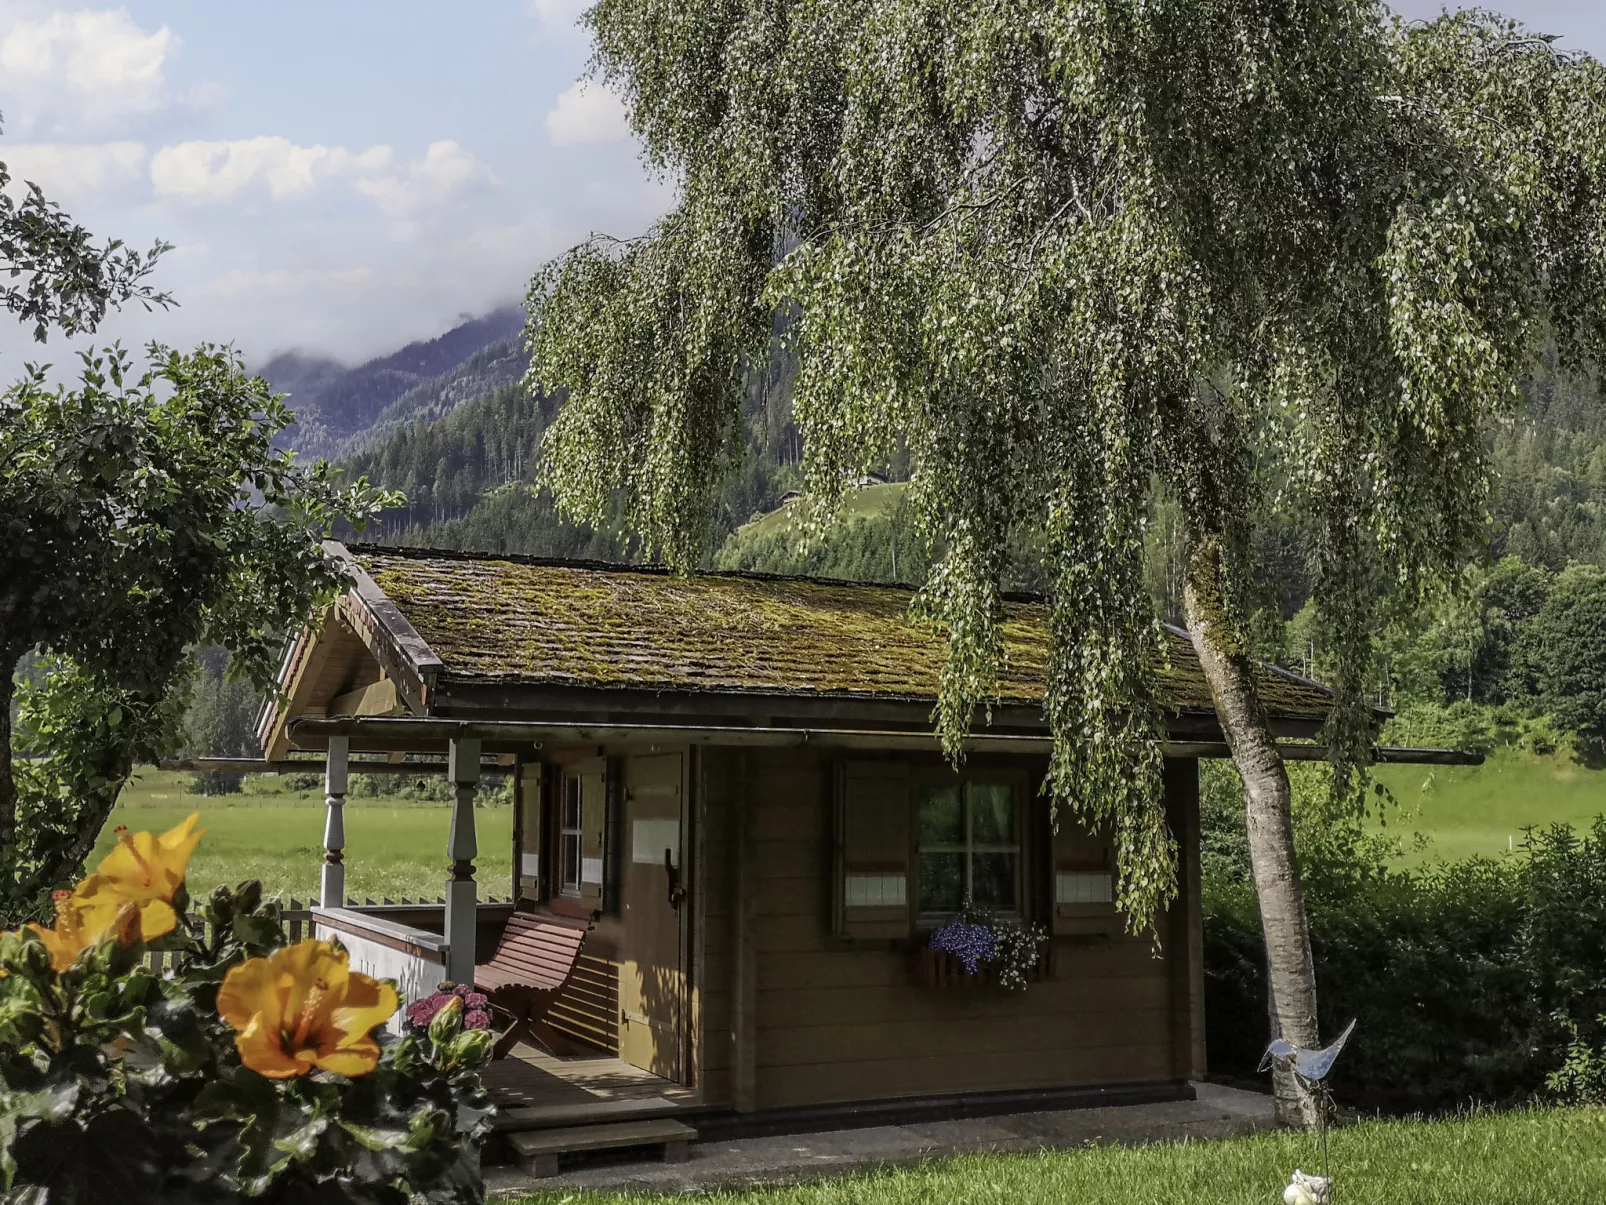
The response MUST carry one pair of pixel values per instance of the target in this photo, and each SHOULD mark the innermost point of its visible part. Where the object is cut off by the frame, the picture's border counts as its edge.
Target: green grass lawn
(1467, 810)
(395, 846)
(1527, 1158)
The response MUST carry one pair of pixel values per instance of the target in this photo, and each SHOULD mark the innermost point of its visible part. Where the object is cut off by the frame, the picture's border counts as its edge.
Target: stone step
(537, 1151)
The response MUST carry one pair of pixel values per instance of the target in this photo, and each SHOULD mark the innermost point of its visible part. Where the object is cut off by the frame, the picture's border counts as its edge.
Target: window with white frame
(570, 836)
(968, 847)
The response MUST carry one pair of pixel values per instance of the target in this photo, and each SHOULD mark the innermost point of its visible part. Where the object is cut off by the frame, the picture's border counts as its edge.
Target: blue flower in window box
(971, 943)
(1008, 949)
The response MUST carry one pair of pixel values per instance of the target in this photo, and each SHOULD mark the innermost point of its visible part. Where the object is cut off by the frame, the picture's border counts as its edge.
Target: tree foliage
(1259, 258)
(141, 514)
(143, 510)
(58, 276)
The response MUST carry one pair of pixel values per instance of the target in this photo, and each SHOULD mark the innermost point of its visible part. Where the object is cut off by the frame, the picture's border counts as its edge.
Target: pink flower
(477, 1018)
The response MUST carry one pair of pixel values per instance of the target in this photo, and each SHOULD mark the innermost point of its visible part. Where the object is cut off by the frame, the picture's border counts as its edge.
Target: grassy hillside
(1466, 810)
(871, 502)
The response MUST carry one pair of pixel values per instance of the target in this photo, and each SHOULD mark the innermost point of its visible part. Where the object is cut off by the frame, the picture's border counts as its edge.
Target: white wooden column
(463, 768)
(332, 889)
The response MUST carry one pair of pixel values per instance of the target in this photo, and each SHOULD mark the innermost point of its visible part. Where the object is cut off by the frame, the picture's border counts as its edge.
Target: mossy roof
(514, 620)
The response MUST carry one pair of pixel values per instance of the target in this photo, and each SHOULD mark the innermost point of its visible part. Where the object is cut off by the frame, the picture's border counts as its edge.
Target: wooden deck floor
(533, 1090)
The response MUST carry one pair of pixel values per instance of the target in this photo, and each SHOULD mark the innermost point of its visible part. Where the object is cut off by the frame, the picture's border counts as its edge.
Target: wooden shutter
(1082, 884)
(873, 880)
(593, 829)
(531, 819)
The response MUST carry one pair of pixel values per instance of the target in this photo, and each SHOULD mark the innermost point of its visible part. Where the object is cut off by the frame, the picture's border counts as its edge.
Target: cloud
(558, 16)
(277, 169)
(71, 173)
(587, 113)
(223, 171)
(240, 283)
(446, 171)
(84, 71)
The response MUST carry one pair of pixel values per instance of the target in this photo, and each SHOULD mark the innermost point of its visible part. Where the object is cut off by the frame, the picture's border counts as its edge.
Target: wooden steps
(538, 1151)
(575, 1117)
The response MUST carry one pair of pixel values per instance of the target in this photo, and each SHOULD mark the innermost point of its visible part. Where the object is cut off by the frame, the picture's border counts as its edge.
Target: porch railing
(295, 918)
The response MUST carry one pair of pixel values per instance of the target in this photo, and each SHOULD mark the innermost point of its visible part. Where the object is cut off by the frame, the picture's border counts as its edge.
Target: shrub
(1471, 980)
(211, 1082)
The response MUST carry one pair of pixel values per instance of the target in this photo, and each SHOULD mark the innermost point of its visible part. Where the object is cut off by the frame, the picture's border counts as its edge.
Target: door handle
(677, 893)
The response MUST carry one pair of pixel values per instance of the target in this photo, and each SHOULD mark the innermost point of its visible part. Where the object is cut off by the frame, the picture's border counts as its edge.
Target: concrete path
(1218, 1113)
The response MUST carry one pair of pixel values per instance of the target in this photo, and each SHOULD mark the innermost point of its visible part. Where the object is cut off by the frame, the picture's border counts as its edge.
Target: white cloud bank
(587, 113)
(83, 71)
(71, 172)
(276, 169)
(214, 172)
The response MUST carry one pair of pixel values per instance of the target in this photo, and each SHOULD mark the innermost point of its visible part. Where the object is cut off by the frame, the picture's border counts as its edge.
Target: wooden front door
(652, 979)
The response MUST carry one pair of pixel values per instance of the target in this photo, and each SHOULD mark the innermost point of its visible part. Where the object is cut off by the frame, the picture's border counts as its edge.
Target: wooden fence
(295, 918)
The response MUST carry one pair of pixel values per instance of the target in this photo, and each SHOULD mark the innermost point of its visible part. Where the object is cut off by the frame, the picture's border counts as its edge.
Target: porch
(533, 1090)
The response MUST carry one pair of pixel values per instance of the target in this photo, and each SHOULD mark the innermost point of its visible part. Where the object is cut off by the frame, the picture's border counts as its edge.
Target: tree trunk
(68, 864)
(8, 789)
(1290, 969)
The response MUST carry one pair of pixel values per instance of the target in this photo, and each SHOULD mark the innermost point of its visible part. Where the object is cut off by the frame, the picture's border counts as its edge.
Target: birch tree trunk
(8, 790)
(1290, 969)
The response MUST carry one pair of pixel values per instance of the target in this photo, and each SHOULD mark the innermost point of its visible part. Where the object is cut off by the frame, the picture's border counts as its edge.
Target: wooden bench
(534, 961)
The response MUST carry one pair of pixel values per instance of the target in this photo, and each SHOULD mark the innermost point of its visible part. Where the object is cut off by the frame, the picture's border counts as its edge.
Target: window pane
(571, 803)
(992, 814)
(942, 882)
(571, 862)
(941, 820)
(993, 881)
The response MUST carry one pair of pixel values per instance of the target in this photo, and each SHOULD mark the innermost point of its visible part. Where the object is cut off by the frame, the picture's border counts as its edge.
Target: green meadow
(273, 831)
(1459, 811)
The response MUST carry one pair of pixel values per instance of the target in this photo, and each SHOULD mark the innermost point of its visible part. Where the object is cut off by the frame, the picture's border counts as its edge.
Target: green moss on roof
(515, 621)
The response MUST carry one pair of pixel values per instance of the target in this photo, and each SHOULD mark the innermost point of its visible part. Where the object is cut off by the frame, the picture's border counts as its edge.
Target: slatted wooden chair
(534, 961)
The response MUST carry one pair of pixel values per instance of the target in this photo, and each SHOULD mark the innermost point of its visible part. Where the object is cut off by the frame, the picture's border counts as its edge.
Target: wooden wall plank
(1052, 1036)
(744, 928)
(882, 1079)
(907, 1003)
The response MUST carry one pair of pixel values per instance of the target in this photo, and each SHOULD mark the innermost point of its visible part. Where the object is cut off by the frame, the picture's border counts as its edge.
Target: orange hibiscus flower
(76, 931)
(143, 870)
(303, 1007)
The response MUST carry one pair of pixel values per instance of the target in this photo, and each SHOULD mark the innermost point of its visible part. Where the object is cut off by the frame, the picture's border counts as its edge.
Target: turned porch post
(464, 770)
(332, 888)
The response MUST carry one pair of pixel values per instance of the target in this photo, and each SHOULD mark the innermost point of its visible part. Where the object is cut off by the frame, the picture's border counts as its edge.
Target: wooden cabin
(734, 778)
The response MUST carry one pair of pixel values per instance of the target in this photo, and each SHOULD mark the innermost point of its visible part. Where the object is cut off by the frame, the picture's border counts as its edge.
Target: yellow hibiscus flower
(144, 871)
(75, 930)
(304, 1007)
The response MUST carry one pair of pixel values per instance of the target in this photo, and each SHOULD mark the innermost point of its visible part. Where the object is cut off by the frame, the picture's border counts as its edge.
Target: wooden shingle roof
(506, 620)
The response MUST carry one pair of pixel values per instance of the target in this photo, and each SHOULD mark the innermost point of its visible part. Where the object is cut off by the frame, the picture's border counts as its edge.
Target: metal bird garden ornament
(1311, 1069)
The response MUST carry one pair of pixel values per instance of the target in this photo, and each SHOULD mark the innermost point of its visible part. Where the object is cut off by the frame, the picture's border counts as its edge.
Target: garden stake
(1311, 1069)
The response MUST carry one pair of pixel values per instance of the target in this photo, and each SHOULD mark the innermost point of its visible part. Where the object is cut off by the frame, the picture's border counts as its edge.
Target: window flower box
(975, 950)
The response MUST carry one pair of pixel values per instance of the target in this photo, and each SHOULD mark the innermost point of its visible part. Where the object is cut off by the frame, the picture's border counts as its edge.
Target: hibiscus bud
(448, 1022)
(472, 1048)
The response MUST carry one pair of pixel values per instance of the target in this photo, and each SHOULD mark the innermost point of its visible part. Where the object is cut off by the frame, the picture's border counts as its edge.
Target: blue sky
(342, 176)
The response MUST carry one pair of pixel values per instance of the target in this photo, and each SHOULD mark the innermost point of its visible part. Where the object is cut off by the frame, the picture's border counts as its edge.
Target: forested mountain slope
(333, 404)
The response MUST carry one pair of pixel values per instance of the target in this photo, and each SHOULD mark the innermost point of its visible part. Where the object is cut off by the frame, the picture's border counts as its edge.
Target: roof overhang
(425, 734)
